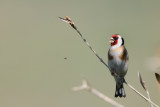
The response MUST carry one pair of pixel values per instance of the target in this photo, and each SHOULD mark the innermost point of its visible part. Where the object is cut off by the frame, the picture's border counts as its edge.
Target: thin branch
(141, 94)
(68, 20)
(148, 96)
(144, 86)
(85, 86)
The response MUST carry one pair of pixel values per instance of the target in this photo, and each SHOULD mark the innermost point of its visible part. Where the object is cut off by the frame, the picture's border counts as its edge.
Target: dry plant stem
(148, 100)
(148, 96)
(144, 86)
(85, 86)
(68, 20)
(85, 41)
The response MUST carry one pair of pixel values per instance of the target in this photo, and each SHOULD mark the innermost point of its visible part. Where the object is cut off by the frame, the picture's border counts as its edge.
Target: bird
(118, 63)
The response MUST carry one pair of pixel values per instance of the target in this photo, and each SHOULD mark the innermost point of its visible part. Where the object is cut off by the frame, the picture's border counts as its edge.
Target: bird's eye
(115, 38)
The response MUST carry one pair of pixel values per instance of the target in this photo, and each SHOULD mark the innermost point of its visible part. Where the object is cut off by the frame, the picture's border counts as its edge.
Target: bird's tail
(120, 91)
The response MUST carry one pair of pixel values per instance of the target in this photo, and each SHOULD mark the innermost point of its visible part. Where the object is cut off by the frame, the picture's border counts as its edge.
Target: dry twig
(86, 86)
(141, 94)
(144, 86)
(68, 20)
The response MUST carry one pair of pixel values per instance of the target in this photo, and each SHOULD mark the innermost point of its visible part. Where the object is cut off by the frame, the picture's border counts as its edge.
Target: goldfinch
(118, 63)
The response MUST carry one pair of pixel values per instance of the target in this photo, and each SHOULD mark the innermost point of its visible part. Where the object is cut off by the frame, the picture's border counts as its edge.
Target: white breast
(119, 66)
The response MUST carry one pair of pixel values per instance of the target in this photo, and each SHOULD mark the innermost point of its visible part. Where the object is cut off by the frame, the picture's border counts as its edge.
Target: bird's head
(116, 40)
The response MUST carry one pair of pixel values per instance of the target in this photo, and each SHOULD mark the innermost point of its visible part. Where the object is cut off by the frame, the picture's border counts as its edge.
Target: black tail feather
(120, 91)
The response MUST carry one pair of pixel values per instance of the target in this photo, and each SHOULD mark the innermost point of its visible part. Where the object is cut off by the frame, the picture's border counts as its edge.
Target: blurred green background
(34, 43)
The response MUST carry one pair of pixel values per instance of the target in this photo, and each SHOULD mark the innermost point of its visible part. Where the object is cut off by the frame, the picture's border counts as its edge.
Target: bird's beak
(111, 40)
